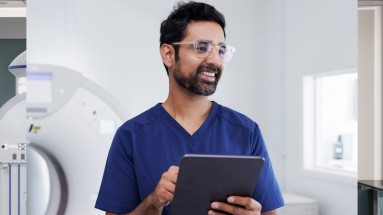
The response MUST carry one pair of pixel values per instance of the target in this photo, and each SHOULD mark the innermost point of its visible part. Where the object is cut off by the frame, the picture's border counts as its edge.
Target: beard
(195, 83)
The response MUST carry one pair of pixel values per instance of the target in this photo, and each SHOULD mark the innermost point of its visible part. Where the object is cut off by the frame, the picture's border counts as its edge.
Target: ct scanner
(71, 123)
(65, 125)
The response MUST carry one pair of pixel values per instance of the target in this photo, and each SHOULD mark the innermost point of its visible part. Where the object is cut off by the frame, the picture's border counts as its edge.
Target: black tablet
(203, 179)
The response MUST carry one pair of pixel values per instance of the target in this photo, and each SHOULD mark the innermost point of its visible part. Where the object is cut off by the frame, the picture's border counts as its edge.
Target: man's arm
(160, 197)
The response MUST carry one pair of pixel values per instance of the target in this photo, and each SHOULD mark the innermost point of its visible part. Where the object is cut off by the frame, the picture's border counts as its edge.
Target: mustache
(210, 68)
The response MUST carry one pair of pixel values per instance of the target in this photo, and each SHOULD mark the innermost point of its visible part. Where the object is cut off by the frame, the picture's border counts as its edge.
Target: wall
(116, 45)
(320, 37)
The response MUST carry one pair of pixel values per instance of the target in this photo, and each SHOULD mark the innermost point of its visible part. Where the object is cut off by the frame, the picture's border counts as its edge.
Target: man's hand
(164, 192)
(237, 205)
(160, 197)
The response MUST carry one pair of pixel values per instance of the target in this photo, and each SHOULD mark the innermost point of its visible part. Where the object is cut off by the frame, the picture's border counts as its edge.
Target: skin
(190, 110)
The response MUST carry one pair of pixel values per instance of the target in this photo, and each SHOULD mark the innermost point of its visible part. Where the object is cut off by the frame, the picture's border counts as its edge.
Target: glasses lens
(229, 50)
(203, 47)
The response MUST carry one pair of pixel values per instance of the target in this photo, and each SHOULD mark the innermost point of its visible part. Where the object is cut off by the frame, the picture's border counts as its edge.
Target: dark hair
(173, 28)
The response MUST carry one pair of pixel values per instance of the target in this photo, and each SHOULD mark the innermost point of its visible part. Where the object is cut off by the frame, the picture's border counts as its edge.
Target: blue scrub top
(147, 145)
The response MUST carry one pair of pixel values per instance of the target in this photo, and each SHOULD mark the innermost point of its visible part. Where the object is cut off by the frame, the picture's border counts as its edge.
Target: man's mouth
(209, 77)
(210, 74)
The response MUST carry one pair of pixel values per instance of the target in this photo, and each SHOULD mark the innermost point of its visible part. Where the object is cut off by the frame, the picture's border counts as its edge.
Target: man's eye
(202, 47)
(222, 50)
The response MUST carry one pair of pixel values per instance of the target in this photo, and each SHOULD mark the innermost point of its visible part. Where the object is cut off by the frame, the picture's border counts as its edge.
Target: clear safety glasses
(203, 48)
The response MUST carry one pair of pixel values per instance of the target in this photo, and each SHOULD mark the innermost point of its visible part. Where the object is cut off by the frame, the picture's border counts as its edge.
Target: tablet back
(203, 179)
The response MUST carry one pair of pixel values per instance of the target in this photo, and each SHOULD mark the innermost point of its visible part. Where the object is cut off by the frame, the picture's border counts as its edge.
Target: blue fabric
(147, 145)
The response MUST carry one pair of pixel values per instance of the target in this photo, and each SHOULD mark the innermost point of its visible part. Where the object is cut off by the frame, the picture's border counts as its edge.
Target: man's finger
(173, 170)
(246, 202)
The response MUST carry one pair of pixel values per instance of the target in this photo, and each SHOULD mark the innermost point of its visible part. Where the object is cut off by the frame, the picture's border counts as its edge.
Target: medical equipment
(13, 144)
(71, 124)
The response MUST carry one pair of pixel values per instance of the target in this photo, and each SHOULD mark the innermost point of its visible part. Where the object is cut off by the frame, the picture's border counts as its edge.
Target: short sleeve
(118, 192)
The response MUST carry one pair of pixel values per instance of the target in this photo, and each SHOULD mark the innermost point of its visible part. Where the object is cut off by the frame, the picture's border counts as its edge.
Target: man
(141, 171)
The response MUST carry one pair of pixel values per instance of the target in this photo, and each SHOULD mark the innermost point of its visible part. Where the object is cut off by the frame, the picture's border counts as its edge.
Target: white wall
(320, 37)
(116, 45)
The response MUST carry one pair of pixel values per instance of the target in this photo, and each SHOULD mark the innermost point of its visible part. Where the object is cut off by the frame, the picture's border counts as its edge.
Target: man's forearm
(147, 207)
(160, 197)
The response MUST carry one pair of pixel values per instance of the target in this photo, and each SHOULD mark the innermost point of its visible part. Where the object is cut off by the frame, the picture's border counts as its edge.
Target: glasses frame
(218, 46)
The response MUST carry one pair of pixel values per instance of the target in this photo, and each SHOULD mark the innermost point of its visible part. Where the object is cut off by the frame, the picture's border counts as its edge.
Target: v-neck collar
(173, 123)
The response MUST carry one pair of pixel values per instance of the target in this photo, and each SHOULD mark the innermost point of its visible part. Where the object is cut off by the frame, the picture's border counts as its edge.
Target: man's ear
(167, 54)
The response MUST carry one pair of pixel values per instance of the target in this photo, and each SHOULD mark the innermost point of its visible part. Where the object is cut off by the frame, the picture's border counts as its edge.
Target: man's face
(199, 75)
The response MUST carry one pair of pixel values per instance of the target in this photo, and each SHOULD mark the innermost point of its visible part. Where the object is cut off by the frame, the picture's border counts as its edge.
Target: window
(330, 122)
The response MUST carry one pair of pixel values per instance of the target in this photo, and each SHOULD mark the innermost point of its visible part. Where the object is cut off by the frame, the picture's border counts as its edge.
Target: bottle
(338, 149)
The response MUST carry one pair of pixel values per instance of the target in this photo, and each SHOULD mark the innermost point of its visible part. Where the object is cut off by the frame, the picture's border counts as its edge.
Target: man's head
(193, 47)
(173, 29)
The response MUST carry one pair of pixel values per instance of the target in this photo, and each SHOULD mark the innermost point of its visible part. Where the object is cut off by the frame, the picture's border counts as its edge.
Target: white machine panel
(13, 156)
(13, 153)
(71, 129)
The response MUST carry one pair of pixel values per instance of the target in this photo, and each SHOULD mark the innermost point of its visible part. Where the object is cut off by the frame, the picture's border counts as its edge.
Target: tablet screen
(203, 179)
